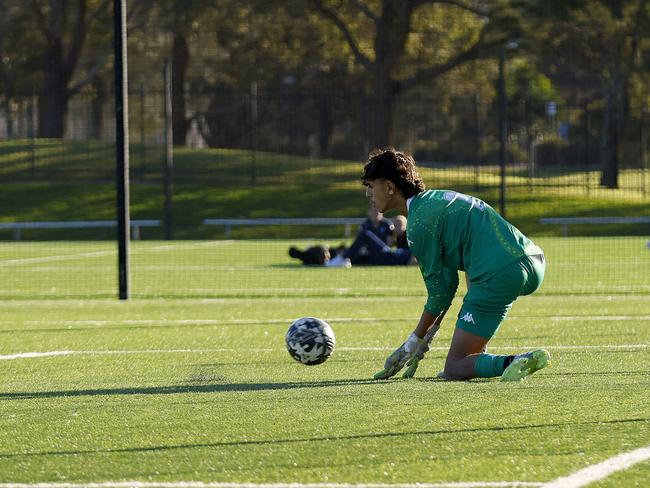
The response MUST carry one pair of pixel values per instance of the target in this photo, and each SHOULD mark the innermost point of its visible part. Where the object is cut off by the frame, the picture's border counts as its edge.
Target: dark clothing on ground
(370, 247)
(317, 255)
(377, 252)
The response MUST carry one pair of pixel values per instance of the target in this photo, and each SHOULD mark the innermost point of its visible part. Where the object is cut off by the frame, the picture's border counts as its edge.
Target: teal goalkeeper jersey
(450, 232)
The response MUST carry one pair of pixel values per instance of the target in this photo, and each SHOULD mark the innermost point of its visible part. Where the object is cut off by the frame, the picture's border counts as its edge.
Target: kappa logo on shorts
(468, 318)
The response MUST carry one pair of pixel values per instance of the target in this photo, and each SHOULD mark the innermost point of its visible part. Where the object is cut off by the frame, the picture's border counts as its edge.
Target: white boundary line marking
(106, 252)
(602, 470)
(601, 318)
(287, 321)
(113, 352)
(49, 259)
(198, 484)
(578, 479)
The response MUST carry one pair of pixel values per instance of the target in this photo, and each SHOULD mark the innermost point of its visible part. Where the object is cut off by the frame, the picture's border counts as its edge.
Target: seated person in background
(399, 222)
(376, 225)
(375, 231)
(372, 245)
(377, 252)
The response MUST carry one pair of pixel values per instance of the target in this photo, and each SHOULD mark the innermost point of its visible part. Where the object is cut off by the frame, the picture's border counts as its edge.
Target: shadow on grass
(371, 435)
(600, 373)
(246, 387)
(170, 390)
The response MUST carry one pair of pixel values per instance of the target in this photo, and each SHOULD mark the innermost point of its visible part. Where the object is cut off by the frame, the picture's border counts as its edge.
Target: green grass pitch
(190, 380)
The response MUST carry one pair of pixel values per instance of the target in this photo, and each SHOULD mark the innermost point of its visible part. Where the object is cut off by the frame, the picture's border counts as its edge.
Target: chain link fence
(259, 154)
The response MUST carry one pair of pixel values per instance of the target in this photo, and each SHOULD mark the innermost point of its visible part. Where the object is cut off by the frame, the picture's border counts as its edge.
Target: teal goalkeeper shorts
(487, 303)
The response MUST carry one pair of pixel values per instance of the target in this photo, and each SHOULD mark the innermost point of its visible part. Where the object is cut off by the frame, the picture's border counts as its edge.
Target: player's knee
(456, 370)
(454, 374)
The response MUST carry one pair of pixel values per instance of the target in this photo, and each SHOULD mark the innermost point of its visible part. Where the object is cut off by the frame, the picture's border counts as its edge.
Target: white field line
(602, 470)
(198, 484)
(49, 259)
(286, 321)
(65, 257)
(578, 479)
(46, 354)
(572, 318)
(602, 347)
(333, 320)
(186, 245)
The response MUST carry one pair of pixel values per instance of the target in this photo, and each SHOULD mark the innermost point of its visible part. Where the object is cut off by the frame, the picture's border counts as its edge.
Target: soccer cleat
(296, 253)
(526, 364)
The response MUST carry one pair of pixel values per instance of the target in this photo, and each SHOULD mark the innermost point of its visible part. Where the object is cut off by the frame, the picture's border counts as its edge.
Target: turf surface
(222, 269)
(198, 385)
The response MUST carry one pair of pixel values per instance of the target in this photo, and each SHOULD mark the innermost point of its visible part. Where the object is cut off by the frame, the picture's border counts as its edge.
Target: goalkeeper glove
(421, 347)
(412, 350)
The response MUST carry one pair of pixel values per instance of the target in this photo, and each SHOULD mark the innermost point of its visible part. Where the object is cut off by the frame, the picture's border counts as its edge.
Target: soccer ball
(310, 340)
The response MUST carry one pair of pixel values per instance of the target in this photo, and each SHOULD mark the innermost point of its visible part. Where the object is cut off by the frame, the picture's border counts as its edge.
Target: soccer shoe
(296, 253)
(526, 364)
(339, 261)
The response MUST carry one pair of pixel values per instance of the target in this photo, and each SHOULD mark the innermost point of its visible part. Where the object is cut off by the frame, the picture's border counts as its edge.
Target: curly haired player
(449, 232)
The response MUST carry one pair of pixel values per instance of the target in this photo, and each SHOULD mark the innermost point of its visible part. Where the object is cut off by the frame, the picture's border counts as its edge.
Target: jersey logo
(409, 241)
(474, 202)
(468, 318)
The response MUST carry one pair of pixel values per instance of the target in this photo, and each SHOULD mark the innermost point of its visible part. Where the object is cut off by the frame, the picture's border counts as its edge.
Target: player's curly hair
(396, 166)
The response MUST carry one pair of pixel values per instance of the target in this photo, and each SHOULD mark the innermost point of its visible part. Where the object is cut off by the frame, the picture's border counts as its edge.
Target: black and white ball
(310, 340)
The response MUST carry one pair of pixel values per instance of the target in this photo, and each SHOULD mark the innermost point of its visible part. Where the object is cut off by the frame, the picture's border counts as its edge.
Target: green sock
(489, 365)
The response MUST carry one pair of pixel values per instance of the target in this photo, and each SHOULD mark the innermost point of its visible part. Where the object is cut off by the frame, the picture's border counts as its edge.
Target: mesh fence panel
(285, 155)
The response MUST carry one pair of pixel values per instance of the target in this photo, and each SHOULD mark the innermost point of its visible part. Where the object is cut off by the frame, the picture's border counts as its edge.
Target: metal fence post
(587, 155)
(254, 122)
(169, 150)
(122, 144)
(644, 151)
(503, 128)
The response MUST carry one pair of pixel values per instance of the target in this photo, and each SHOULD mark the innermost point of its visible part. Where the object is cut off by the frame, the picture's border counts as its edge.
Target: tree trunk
(325, 125)
(97, 109)
(614, 115)
(382, 113)
(53, 99)
(180, 58)
(609, 175)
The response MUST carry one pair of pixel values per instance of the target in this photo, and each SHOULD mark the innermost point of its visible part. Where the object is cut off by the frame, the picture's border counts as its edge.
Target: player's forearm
(426, 321)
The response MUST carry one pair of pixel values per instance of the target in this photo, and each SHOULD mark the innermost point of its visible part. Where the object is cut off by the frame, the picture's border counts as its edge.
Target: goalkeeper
(449, 232)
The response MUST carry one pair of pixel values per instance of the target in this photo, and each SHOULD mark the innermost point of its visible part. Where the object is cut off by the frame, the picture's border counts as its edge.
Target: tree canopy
(225, 53)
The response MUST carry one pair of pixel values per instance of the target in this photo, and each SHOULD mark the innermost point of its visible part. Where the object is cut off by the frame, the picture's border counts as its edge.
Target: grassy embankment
(54, 180)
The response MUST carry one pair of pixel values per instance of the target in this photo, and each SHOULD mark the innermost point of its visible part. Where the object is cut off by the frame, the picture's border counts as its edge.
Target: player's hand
(413, 348)
(394, 363)
(420, 347)
(412, 367)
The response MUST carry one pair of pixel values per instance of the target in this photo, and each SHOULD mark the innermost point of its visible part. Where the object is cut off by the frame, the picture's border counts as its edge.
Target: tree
(176, 18)
(67, 28)
(17, 60)
(276, 57)
(64, 26)
(592, 50)
(385, 43)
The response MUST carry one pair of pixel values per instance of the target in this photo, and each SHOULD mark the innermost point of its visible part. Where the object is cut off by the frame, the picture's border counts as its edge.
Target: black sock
(507, 361)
